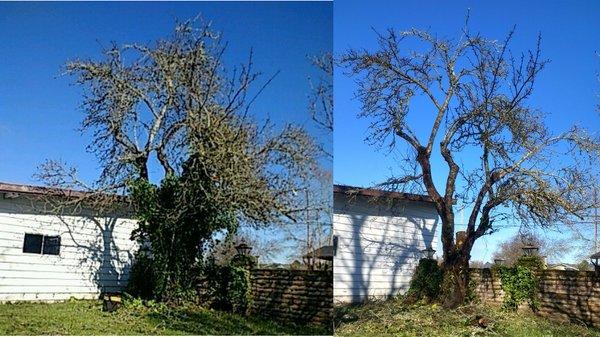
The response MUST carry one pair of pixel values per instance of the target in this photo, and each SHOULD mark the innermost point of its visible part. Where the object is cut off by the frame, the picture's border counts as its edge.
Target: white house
(47, 257)
(378, 240)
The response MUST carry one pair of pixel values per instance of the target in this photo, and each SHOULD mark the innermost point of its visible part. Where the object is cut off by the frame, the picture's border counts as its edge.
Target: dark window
(33, 243)
(335, 245)
(51, 245)
(41, 244)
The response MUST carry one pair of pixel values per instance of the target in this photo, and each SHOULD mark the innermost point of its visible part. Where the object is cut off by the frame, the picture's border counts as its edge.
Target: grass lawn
(392, 318)
(87, 318)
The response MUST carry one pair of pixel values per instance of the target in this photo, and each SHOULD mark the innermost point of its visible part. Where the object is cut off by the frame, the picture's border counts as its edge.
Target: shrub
(532, 262)
(426, 281)
(142, 278)
(243, 261)
(228, 288)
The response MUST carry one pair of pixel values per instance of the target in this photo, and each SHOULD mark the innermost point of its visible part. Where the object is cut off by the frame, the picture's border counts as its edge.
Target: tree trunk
(455, 285)
(141, 163)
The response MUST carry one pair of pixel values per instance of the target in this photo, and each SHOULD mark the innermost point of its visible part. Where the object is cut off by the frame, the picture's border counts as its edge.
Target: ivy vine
(521, 283)
(227, 288)
(177, 219)
(426, 282)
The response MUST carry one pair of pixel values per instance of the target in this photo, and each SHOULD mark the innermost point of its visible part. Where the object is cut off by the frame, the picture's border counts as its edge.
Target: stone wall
(568, 295)
(297, 296)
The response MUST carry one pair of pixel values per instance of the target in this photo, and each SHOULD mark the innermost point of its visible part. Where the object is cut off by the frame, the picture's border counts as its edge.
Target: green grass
(87, 318)
(392, 318)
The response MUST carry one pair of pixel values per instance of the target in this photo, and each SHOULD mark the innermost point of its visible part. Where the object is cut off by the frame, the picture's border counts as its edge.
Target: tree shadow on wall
(376, 258)
(571, 295)
(102, 259)
(90, 240)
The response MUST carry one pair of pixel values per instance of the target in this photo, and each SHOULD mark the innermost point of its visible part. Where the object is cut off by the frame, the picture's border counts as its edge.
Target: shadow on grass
(86, 318)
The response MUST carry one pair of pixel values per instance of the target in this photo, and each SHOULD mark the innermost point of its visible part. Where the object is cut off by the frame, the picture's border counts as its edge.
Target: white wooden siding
(378, 245)
(95, 254)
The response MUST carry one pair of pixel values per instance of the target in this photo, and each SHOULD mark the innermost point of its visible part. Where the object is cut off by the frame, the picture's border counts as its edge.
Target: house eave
(378, 193)
(12, 189)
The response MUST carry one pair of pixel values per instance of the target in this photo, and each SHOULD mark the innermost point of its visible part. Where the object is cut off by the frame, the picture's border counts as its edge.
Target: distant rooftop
(323, 253)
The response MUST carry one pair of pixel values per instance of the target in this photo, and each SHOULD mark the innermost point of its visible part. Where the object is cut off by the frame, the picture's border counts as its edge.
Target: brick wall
(298, 296)
(568, 295)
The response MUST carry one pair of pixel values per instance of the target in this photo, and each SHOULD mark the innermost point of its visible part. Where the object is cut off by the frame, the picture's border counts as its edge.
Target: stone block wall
(488, 285)
(567, 295)
(296, 296)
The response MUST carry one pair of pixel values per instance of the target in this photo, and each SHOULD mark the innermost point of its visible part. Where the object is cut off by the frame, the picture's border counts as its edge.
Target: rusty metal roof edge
(42, 190)
(377, 193)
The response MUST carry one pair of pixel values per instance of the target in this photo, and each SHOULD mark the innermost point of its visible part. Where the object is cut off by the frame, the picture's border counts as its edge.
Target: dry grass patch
(393, 318)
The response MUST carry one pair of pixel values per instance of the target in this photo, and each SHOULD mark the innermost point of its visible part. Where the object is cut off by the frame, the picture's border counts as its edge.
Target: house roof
(323, 253)
(566, 266)
(42, 190)
(377, 193)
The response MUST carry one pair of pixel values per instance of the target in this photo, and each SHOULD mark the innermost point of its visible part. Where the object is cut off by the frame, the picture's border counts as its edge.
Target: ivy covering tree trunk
(455, 284)
(176, 220)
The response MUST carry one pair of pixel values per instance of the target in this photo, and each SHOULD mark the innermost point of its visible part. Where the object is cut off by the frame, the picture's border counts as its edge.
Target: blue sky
(39, 111)
(567, 89)
(39, 108)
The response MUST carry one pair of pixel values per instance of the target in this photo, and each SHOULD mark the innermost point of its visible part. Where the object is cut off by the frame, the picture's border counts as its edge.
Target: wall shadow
(89, 239)
(112, 271)
(379, 265)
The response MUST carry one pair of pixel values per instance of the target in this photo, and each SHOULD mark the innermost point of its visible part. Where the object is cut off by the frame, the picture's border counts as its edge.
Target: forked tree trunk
(455, 284)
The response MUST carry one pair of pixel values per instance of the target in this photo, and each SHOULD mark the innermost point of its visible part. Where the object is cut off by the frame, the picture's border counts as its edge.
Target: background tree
(584, 265)
(314, 225)
(476, 264)
(511, 249)
(265, 247)
(478, 92)
(321, 98)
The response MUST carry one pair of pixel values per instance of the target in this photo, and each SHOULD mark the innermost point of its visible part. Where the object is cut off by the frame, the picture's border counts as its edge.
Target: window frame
(55, 246)
(27, 243)
(54, 242)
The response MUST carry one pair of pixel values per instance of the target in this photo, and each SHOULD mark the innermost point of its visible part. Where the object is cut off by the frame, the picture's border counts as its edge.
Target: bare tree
(512, 249)
(265, 247)
(321, 98)
(313, 229)
(175, 101)
(477, 91)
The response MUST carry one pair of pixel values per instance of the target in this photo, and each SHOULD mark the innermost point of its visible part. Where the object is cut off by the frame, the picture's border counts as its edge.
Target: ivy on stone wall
(520, 283)
(228, 288)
